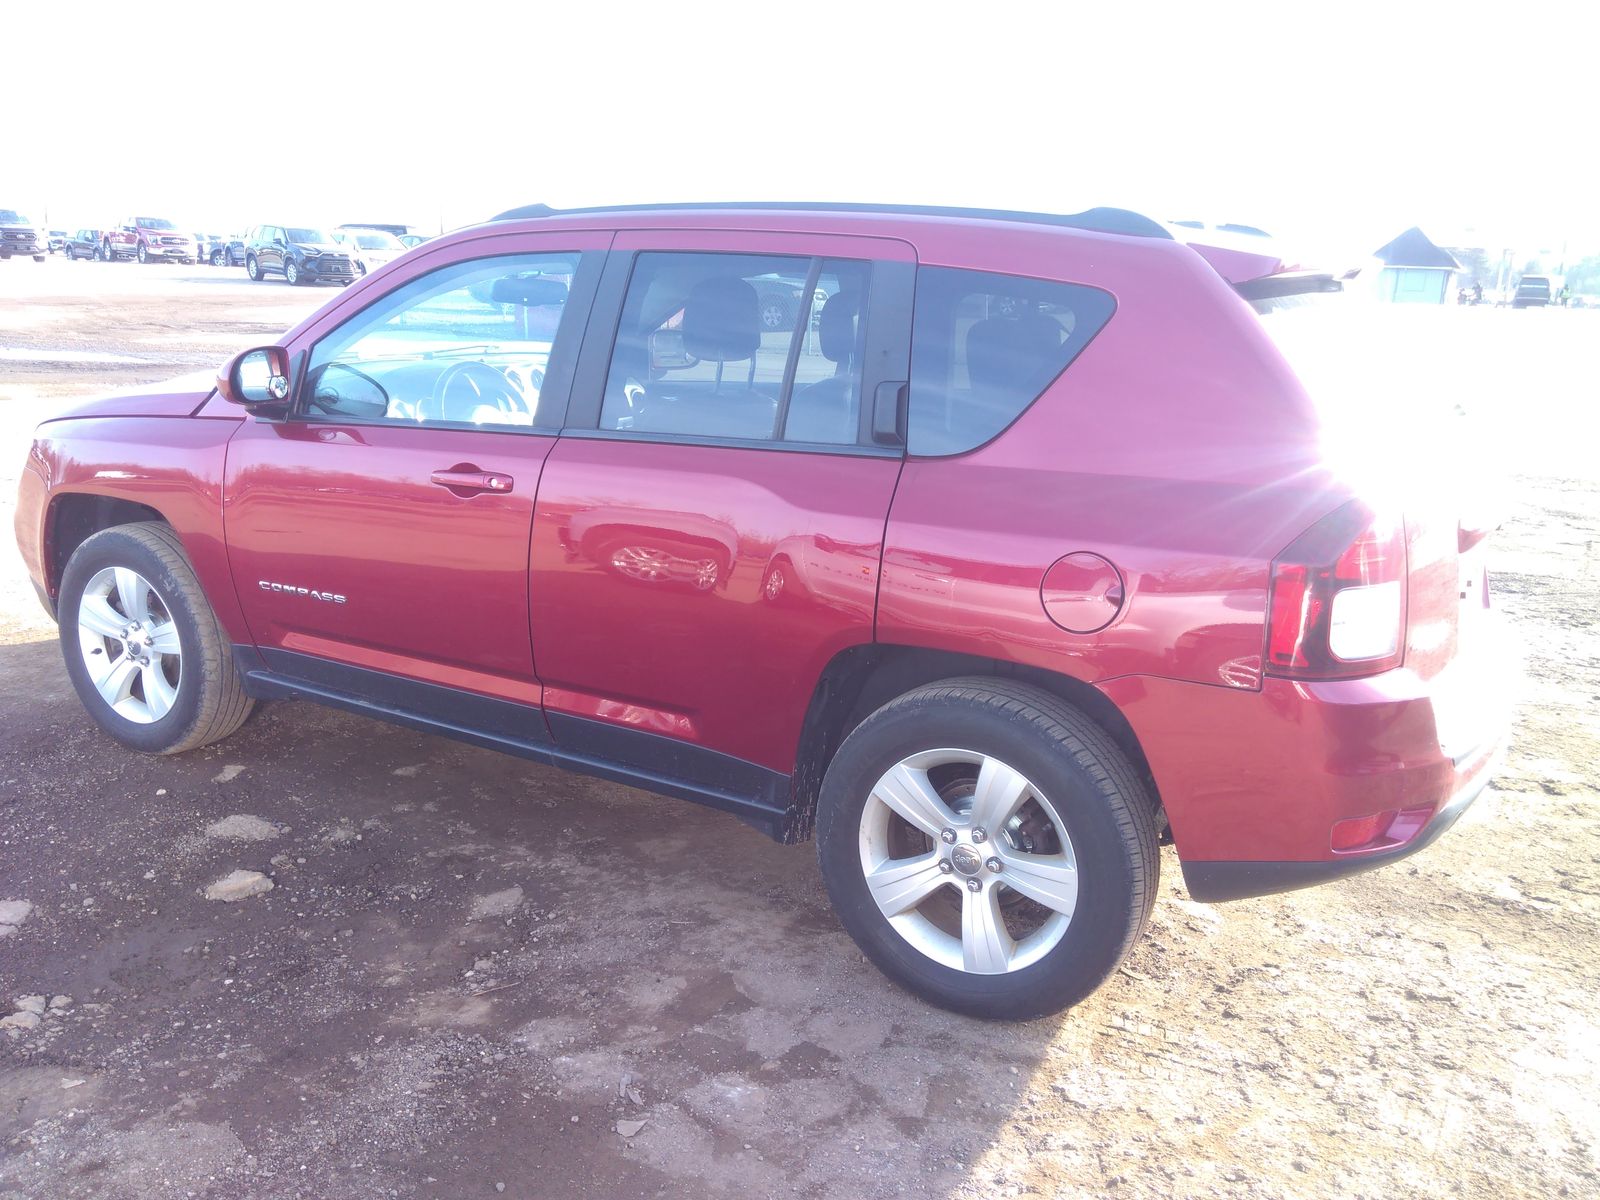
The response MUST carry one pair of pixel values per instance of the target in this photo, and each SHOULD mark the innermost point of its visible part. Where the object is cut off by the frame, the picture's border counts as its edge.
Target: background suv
(1533, 291)
(300, 253)
(85, 243)
(371, 248)
(1021, 547)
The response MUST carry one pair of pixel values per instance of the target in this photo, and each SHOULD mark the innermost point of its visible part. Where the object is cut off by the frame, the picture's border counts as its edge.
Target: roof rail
(1099, 220)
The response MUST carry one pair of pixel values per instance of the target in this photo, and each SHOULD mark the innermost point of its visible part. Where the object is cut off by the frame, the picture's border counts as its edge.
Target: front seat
(829, 410)
(721, 324)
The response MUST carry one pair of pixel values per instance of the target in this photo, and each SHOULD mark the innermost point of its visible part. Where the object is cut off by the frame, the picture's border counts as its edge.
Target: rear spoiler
(1256, 268)
(1289, 283)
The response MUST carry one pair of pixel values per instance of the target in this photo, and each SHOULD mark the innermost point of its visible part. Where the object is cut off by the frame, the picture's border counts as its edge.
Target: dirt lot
(471, 972)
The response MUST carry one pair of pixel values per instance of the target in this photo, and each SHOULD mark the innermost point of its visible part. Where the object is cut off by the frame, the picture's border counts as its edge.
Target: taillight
(1338, 600)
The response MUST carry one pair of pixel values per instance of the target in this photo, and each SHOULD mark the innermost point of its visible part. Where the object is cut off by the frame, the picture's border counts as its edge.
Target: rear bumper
(1217, 881)
(1255, 782)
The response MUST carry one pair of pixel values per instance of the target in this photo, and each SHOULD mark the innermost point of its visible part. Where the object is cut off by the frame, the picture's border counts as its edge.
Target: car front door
(710, 525)
(379, 536)
(272, 253)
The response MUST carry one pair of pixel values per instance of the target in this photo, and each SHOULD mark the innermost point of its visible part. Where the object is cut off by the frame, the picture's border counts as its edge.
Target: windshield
(10, 216)
(153, 223)
(312, 236)
(378, 241)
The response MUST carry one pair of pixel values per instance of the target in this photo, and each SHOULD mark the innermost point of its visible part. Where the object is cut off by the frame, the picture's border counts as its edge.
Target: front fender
(170, 465)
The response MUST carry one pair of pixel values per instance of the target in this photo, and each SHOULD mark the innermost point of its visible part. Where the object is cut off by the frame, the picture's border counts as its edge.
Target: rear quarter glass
(985, 346)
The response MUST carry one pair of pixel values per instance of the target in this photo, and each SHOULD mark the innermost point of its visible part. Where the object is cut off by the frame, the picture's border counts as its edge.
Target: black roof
(1413, 249)
(1100, 220)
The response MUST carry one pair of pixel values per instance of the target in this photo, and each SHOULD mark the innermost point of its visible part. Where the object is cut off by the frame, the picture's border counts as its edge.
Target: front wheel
(252, 268)
(291, 272)
(145, 652)
(989, 847)
(144, 255)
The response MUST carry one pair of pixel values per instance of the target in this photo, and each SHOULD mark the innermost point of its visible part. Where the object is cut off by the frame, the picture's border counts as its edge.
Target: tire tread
(1093, 752)
(216, 666)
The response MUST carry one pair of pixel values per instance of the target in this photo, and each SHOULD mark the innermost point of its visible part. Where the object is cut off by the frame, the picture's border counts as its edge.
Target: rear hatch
(1392, 432)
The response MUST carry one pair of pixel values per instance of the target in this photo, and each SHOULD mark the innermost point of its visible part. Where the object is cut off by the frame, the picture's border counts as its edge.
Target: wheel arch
(74, 517)
(860, 679)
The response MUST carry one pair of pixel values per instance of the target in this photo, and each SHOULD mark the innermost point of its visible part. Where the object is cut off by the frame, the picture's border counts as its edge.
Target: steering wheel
(465, 386)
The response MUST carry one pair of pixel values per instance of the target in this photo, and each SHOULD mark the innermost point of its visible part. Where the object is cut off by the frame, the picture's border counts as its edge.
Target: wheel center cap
(966, 860)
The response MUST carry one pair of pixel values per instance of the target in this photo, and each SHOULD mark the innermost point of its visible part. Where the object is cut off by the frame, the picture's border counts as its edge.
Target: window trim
(885, 356)
(1023, 411)
(847, 449)
(554, 396)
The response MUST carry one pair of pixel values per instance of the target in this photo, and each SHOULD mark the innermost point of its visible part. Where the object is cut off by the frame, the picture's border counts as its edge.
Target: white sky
(1338, 122)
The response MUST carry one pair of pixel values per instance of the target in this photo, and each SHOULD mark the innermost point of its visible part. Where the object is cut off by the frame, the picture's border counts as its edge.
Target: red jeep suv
(1014, 548)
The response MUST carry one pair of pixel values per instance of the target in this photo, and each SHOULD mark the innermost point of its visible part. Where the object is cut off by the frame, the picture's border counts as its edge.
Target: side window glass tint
(466, 345)
(985, 346)
(755, 347)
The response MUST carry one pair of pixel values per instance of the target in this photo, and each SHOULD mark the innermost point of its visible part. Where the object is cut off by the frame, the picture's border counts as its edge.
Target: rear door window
(739, 346)
(985, 346)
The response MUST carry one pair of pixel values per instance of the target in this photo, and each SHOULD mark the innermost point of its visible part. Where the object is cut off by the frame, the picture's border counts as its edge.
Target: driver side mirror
(257, 379)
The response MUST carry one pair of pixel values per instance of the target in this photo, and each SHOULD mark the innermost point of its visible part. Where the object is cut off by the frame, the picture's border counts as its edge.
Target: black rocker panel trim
(501, 719)
(757, 796)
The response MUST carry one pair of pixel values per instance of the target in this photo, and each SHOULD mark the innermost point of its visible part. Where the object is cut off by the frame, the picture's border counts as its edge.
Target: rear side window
(748, 347)
(983, 348)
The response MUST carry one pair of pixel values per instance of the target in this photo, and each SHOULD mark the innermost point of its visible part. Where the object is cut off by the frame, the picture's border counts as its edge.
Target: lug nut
(944, 865)
(994, 865)
(948, 836)
(973, 885)
(978, 835)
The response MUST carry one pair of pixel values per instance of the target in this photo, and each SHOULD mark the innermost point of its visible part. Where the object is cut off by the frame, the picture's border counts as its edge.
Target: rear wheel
(216, 258)
(989, 847)
(143, 648)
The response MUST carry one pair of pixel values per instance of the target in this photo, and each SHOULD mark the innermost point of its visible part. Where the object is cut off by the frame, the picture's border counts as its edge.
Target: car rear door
(710, 525)
(379, 538)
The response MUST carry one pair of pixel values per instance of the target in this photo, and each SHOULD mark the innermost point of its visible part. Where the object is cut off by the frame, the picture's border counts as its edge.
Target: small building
(1412, 270)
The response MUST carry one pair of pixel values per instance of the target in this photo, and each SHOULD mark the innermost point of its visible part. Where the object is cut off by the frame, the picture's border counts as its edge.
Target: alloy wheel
(130, 645)
(968, 861)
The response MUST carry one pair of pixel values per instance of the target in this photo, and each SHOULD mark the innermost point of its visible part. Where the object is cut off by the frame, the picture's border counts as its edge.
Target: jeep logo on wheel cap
(966, 860)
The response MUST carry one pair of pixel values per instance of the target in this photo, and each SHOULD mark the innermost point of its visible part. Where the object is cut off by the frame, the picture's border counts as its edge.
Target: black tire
(38, 258)
(291, 272)
(216, 258)
(1107, 810)
(252, 268)
(102, 254)
(211, 702)
(144, 255)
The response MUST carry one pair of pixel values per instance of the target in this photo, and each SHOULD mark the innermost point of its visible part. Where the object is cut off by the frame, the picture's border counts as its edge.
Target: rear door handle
(464, 480)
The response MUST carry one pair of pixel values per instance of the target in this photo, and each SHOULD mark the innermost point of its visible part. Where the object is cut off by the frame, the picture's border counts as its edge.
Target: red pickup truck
(149, 239)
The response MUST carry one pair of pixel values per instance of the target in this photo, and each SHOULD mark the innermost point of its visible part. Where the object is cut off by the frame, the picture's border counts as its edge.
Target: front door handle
(464, 479)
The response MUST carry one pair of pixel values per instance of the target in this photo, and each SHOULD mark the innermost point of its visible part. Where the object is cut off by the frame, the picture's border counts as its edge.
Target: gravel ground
(474, 976)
